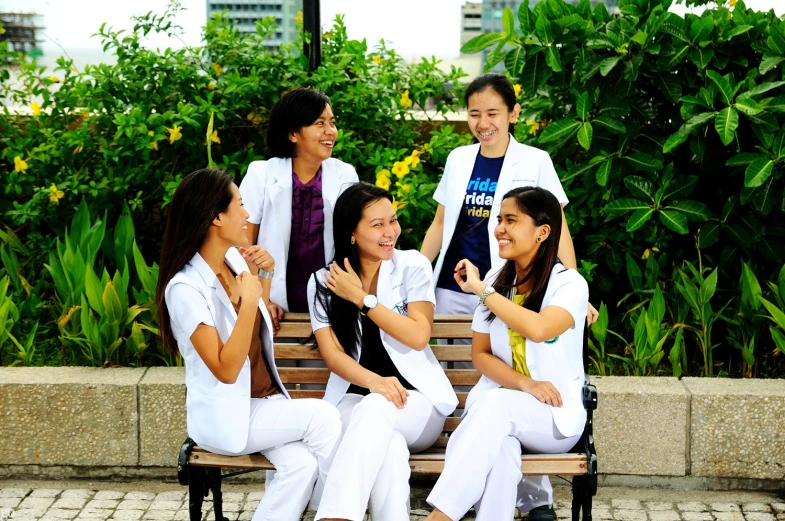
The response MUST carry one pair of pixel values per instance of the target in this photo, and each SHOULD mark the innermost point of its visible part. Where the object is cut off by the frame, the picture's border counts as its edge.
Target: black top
(375, 358)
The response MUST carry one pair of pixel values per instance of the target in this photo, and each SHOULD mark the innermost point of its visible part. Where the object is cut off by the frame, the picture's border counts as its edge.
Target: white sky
(415, 27)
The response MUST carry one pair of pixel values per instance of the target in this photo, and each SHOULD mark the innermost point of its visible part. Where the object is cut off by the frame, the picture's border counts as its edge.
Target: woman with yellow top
(527, 343)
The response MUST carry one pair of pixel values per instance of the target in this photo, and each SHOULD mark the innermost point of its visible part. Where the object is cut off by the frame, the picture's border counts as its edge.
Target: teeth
(386, 244)
(488, 134)
(504, 241)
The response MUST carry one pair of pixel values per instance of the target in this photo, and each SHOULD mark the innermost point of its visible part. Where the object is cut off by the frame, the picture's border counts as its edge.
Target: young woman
(527, 343)
(212, 309)
(291, 196)
(372, 313)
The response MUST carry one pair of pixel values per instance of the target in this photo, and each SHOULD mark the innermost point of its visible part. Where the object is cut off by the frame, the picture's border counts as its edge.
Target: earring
(539, 239)
(352, 239)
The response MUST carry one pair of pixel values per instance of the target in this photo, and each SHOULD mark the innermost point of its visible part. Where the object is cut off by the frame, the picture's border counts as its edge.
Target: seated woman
(372, 313)
(291, 196)
(527, 343)
(212, 309)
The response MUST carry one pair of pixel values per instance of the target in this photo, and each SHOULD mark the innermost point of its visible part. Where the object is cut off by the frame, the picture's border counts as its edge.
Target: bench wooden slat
(308, 375)
(319, 394)
(305, 317)
(443, 353)
(440, 330)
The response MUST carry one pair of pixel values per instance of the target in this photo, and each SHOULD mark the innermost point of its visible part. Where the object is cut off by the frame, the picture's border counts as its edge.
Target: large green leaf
(700, 30)
(559, 130)
(638, 219)
(708, 234)
(481, 42)
(583, 106)
(645, 162)
(508, 22)
(776, 41)
(525, 17)
(607, 65)
(553, 59)
(604, 172)
(671, 87)
(543, 30)
(694, 210)
(764, 198)
(743, 159)
(674, 220)
(726, 123)
(722, 84)
(113, 309)
(777, 315)
(748, 106)
(701, 56)
(769, 62)
(673, 141)
(750, 287)
(533, 71)
(611, 124)
(585, 134)
(758, 171)
(739, 29)
(514, 60)
(762, 88)
(669, 60)
(639, 186)
(625, 205)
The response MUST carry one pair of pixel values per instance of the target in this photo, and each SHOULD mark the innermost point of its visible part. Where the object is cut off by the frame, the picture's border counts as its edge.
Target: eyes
(393, 220)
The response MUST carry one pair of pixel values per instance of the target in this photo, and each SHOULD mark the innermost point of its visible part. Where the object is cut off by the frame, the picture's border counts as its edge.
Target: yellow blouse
(517, 342)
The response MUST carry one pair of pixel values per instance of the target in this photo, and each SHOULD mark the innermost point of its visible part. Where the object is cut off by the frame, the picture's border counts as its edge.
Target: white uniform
(298, 436)
(371, 465)
(482, 465)
(266, 190)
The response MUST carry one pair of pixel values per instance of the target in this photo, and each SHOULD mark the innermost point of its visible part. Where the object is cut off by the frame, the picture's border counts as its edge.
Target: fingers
(348, 266)
(274, 316)
(401, 391)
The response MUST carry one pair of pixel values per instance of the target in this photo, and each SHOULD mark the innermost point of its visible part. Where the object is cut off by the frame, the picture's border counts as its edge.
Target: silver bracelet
(488, 290)
(266, 274)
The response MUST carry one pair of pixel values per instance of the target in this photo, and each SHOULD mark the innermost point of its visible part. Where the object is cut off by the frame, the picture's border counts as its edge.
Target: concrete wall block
(738, 427)
(641, 425)
(69, 416)
(161, 416)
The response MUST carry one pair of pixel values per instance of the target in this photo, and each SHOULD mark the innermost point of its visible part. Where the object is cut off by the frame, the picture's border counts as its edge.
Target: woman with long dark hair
(212, 308)
(527, 344)
(372, 313)
(290, 196)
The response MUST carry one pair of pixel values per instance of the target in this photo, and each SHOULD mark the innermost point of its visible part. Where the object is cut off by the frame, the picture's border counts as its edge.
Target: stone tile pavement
(102, 501)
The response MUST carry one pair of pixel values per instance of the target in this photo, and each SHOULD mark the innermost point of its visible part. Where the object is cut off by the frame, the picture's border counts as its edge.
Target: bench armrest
(589, 397)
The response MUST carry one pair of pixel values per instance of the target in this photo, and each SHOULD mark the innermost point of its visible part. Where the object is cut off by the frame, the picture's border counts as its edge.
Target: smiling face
(378, 231)
(517, 233)
(232, 224)
(316, 140)
(489, 120)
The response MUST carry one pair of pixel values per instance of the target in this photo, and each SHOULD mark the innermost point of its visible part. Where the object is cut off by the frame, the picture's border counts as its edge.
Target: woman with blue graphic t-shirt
(469, 195)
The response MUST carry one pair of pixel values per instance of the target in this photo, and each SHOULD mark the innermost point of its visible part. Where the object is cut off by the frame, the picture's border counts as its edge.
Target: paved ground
(91, 500)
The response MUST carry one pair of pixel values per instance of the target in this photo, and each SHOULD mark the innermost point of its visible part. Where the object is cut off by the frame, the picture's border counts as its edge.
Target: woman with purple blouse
(290, 197)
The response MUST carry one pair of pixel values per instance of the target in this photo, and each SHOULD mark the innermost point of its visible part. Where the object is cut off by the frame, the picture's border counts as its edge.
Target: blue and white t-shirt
(470, 240)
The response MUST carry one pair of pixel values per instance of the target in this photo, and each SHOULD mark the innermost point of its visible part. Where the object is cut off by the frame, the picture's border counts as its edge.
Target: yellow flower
(218, 69)
(406, 188)
(55, 195)
(36, 108)
(733, 3)
(646, 254)
(174, 133)
(20, 165)
(78, 148)
(211, 85)
(416, 153)
(214, 137)
(74, 69)
(53, 78)
(400, 169)
(383, 173)
(414, 160)
(377, 59)
(154, 144)
(383, 182)
(408, 160)
(518, 90)
(533, 126)
(299, 17)
(397, 205)
(254, 118)
(405, 101)
(327, 35)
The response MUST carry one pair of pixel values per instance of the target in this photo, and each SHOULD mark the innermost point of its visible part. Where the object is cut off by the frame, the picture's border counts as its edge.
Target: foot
(542, 513)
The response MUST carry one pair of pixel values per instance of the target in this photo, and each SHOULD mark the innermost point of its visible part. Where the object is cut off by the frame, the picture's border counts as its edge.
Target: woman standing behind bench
(527, 344)
(213, 309)
(372, 313)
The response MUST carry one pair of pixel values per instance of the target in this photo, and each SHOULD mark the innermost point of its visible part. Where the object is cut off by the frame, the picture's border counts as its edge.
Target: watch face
(370, 301)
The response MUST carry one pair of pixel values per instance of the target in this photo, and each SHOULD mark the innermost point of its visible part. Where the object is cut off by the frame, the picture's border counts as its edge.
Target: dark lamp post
(313, 25)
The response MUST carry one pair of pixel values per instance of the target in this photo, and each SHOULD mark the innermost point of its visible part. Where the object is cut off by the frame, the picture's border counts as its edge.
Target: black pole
(313, 25)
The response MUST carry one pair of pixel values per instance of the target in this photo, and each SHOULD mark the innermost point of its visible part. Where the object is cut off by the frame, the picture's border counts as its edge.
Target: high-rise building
(245, 14)
(471, 21)
(21, 32)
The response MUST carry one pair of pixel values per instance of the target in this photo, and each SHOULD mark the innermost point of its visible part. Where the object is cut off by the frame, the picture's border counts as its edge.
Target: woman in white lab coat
(212, 308)
(527, 344)
(290, 197)
(372, 313)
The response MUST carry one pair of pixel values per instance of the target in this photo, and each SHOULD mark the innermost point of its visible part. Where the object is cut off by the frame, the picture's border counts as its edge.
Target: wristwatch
(488, 290)
(266, 274)
(369, 302)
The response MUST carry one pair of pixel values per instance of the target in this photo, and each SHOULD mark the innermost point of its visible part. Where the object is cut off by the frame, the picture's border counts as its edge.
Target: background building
(471, 21)
(245, 14)
(22, 31)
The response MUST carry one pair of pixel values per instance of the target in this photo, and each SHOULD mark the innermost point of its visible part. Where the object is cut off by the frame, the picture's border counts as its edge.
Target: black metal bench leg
(196, 492)
(215, 487)
(581, 498)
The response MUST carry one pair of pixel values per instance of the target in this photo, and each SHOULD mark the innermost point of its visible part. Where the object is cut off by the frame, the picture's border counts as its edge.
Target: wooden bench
(201, 470)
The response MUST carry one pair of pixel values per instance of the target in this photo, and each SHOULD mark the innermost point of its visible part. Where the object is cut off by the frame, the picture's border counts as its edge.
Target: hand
(543, 391)
(258, 257)
(250, 289)
(345, 283)
(473, 283)
(391, 389)
(591, 315)
(276, 314)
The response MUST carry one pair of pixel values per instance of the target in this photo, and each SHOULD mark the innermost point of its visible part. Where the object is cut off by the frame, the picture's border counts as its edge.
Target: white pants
(533, 491)
(299, 437)
(371, 466)
(483, 460)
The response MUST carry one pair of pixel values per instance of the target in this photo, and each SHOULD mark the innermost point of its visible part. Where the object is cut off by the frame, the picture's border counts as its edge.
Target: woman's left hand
(591, 314)
(344, 282)
(259, 257)
(473, 283)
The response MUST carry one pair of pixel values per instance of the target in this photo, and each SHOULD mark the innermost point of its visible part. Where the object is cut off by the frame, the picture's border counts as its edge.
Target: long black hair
(341, 314)
(542, 206)
(296, 109)
(498, 83)
(199, 198)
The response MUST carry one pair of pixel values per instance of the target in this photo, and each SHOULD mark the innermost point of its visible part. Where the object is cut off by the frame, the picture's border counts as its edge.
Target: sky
(415, 27)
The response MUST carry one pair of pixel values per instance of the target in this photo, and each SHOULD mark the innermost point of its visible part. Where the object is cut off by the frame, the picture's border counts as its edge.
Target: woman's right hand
(543, 391)
(250, 289)
(473, 282)
(390, 388)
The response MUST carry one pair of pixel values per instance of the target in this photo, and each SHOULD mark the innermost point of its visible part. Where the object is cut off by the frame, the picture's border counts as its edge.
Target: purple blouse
(306, 243)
